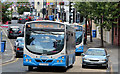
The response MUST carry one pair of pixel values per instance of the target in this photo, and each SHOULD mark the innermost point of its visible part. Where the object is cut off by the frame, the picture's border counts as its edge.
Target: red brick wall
(117, 36)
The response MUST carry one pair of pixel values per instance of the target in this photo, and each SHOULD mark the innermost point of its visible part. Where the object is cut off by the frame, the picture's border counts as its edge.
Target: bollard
(94, 33)
(2, 46)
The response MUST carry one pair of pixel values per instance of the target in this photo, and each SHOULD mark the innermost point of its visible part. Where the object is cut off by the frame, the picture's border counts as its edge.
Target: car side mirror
(108, 55)
(82, 54)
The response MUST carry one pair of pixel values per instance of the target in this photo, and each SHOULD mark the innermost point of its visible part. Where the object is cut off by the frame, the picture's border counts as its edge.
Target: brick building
(116, 40)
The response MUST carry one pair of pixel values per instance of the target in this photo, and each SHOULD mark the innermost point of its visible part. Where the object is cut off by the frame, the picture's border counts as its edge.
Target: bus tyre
(30, 68)
(71, 66)
(64, 69)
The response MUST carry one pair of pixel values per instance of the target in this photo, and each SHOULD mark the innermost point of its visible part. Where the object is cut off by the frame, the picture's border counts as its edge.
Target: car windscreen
(79, 37)
(44, 42)
(20, 40)
(95, 52)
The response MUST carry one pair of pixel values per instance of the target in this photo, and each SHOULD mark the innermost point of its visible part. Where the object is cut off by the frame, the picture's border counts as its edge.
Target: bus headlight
(57, 61)
(62, 57)
(25, 55)
(29, 60)
(26, 60)
(61, 61)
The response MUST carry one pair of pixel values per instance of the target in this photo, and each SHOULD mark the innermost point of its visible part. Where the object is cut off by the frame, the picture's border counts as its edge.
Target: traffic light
(61, 3)
(74, 15)
(70, 6)
(70, 12)
(31, 10)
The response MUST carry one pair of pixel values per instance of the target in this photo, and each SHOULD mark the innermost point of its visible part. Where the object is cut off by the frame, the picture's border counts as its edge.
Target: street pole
(1, 36)
(69, 12)
(60, 13)
(85, 31)
(43, 7)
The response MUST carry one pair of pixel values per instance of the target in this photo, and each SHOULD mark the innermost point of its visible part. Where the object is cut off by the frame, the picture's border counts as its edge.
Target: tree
(103, 12)
(22, 8)
(5, 12)
(85, 9)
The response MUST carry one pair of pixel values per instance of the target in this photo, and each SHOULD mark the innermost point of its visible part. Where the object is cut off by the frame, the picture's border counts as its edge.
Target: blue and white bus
(48, 43)
(79, 38)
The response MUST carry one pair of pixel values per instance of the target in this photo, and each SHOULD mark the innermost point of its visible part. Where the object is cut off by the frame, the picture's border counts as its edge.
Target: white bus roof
(14, 26)
(47, 21)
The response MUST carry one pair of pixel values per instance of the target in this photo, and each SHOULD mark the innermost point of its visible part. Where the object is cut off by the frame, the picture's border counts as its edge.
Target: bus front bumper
(28, 61)
(79, 49)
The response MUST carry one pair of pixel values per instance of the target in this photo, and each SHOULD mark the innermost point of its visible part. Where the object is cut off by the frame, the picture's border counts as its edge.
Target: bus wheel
(64, 69)
(30, 68)
(71, 66)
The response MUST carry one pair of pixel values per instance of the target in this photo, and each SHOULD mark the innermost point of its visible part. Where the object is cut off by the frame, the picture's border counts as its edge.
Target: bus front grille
(38, 60)
(43, 60)
(49, 60)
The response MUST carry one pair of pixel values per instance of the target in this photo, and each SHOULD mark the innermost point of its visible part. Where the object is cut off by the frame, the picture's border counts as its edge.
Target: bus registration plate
(46, 64)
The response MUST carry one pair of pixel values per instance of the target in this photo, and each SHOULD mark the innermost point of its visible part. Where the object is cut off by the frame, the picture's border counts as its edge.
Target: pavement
(8, 54)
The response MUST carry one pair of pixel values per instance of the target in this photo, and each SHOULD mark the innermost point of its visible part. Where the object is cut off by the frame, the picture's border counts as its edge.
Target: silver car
(95, 57)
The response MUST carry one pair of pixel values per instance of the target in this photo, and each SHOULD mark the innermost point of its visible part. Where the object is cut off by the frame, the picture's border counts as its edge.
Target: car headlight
(85, 59)
(103, 59)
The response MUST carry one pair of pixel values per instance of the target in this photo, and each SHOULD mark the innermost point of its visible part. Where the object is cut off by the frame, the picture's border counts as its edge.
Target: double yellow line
(11, 62)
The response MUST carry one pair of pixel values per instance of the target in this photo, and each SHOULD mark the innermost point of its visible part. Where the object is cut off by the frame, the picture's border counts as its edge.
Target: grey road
(17, 64)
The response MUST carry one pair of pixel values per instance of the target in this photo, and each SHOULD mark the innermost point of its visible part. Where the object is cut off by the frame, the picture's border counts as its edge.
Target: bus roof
(47, 21)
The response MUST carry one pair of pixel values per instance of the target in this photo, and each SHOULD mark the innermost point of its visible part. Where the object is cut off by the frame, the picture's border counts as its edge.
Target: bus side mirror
(82, 54)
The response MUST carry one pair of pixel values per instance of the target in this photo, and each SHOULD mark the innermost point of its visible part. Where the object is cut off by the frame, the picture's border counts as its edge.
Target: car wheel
(106, 66)
(9, 37)
(83, 66)
(30, 68)
(16, 56)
